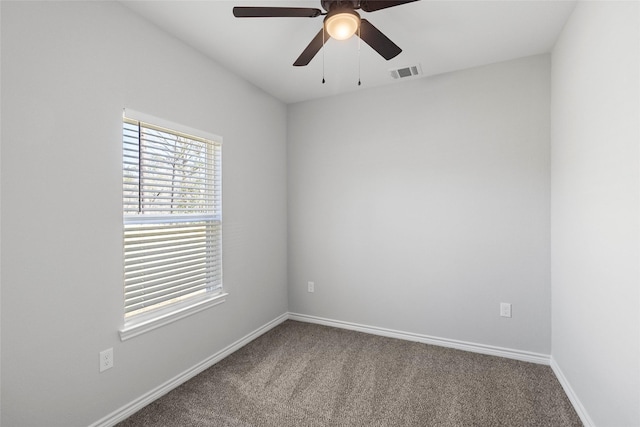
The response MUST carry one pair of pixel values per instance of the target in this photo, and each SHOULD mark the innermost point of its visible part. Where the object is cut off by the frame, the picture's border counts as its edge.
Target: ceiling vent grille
(401, 73)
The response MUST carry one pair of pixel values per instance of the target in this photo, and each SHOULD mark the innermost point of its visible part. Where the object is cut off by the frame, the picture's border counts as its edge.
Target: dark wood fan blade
(312, 48)
(276, 12)
(378, 41)
(373, 5)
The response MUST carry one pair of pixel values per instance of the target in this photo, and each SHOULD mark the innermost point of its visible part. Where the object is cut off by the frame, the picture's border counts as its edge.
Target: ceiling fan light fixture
(342, 25)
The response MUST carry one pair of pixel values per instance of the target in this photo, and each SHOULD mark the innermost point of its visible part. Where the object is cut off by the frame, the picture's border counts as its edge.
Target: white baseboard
(526, 356)
(573, 398)
(132, 407)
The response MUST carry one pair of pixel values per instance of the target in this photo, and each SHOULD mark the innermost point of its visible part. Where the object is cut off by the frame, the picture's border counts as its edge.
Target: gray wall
(68, 69)
(417, 207)
(595, 209)
(422, 205)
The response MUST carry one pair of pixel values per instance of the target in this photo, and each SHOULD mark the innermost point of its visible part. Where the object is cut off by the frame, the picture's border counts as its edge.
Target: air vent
(401, 73)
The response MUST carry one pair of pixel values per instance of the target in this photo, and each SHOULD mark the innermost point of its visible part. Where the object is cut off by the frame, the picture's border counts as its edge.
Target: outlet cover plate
(106, 359)
(505, 309)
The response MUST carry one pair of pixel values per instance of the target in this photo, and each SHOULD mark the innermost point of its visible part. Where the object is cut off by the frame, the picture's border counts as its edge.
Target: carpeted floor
(301, 374)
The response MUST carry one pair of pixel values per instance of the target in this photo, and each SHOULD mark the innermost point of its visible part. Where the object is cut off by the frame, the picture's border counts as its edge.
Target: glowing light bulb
(342, 25)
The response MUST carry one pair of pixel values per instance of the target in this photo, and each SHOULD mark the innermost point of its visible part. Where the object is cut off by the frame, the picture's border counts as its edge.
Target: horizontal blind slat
(133, 277)
(139, 303)
(142, 264)
(171, 233)
(172, 238)
(165, 254)
(169, 243)
(167, 285)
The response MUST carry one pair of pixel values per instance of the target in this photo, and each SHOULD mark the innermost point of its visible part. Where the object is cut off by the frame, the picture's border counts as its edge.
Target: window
(172, 221)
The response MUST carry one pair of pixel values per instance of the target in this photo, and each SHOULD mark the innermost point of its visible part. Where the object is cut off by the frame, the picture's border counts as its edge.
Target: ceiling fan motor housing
(330, 5)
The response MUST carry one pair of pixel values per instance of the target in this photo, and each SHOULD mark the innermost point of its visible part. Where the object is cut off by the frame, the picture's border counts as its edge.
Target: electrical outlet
(106, 359)
(311, 287)
(505, 309)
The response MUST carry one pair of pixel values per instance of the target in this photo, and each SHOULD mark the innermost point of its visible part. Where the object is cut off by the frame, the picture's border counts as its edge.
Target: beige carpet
(301, 374)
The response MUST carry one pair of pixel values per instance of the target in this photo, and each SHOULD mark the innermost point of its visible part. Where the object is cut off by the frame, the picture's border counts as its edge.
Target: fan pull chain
(359, 41)
(323, 54)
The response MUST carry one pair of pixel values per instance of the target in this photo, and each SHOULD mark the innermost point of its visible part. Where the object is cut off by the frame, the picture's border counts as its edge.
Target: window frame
(137, 324)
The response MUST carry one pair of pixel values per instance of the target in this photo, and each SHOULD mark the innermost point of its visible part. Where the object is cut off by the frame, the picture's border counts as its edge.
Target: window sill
(144, 324)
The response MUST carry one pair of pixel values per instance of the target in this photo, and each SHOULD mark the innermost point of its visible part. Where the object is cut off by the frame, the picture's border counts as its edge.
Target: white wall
(595, 210)
(421, 206)
(68, 69)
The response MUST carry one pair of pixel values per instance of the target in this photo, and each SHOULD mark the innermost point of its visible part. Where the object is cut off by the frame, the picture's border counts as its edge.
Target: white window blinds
(172, 216)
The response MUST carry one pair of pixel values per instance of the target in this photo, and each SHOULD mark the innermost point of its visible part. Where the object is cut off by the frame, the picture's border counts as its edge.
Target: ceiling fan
(341, 22)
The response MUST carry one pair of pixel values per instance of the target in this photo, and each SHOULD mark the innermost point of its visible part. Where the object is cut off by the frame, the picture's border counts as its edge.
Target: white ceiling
(441, 36)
